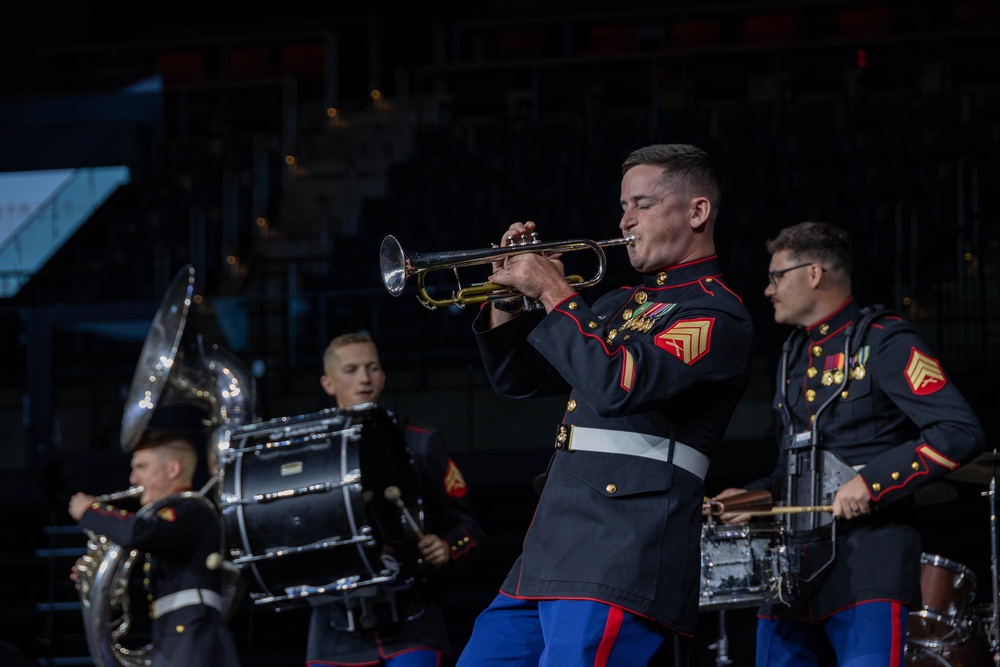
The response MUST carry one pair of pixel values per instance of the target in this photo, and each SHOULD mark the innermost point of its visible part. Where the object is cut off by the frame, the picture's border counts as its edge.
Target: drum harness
(826, 471)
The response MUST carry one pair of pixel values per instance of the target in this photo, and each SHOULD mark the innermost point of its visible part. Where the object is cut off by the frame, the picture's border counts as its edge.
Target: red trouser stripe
(896, 659)
(611, 628)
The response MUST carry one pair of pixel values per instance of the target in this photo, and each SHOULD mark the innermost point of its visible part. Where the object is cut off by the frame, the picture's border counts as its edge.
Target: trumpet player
(610, 563)
(188, 627)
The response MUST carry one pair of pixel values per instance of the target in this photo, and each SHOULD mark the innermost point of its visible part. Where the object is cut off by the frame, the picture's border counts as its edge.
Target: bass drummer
(406, 630)
(863, 396)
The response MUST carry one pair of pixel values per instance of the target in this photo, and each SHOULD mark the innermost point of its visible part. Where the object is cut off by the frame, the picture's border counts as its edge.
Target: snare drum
(969, 653)
(305, 509)
(744, 565)
(947, 588)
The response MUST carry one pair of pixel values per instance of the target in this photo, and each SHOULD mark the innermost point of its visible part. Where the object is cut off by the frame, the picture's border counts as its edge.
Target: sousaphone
(177, 365)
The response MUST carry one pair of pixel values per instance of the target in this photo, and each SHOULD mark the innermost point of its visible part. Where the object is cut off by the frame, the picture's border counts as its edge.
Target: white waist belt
(186, 598)
(653, 447)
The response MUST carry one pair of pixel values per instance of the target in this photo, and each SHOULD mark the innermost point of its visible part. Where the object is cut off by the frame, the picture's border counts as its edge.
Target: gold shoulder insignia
(924, 373)
(167, 514)
(454, 483)
(688, 340)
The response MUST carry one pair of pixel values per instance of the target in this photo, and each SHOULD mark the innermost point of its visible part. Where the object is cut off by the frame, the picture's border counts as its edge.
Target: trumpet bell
(392, 262)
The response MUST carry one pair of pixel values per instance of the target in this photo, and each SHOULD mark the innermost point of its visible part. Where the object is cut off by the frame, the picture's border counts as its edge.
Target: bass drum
(309, 507)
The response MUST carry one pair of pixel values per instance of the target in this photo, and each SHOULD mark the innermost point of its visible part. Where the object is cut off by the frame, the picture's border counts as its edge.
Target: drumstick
(792, 509)
(392, 494)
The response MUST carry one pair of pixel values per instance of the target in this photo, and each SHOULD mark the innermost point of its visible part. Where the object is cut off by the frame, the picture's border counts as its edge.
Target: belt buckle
(563, 437)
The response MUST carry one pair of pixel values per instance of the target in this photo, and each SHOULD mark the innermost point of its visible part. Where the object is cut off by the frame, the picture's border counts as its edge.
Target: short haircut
(684, 162)
(342, 340)
(819, 241)
(173, 443)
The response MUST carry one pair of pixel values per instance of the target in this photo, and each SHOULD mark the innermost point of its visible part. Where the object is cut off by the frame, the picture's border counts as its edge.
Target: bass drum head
(304, 503)
(386, 462)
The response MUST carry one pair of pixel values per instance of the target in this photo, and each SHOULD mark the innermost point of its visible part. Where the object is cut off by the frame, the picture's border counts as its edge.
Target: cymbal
(935, 493)
(978, 471)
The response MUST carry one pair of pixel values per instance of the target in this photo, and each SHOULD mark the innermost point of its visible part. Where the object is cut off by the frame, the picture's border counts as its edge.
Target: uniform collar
(681, 274)
(835, 321)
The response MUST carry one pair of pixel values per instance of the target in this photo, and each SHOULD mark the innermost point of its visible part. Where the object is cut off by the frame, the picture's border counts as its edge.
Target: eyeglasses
(774, 276)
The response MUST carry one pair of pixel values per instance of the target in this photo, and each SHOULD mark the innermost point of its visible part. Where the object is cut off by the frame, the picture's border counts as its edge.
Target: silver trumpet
(398, 266)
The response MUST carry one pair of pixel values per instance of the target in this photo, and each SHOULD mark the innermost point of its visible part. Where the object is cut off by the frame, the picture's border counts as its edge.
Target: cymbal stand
(722, 646)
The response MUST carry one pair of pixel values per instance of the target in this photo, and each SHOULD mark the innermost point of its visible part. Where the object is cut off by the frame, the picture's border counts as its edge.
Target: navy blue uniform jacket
(179, 536)
(447, 512)
(902, 419)
(668, 358)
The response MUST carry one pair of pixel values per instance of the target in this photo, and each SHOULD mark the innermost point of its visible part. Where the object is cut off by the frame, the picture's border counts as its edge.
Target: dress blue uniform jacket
(178, 537)
(447, 512)
(668, 358)
(894, 411)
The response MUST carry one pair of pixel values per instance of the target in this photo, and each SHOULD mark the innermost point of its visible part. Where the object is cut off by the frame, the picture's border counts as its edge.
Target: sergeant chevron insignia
(924, 373)
(688, 340)
(167, 514)
(454, 482)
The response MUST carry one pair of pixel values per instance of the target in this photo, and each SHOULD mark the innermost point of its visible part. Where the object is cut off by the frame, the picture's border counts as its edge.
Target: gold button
(915, 465)
(812, 419)
(824, 328)
(611, 488)
(627, 314)
(811, 395)
(844, 395)
(592, 324)
(572, 305)
(895, 475)
(781, 405)
(641, 297)
(611, 335)
(876, 487)
(145, 566)
(817, 351)
(811, 371)
(571, 405)
(708, 280)
(661, 277)
(179, 629)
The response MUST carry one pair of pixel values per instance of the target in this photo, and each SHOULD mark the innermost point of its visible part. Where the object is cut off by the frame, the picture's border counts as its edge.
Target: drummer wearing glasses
(862, 395)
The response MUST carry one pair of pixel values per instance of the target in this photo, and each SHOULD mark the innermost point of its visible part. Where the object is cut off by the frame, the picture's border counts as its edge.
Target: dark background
(260, 155)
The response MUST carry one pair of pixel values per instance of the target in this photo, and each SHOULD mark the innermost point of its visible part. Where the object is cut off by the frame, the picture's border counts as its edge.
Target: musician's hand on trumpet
(852, 500)
(539, 277)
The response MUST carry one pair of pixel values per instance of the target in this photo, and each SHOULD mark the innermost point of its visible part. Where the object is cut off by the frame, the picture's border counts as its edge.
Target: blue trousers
(872, 634)
(560, 633)
(416, 658)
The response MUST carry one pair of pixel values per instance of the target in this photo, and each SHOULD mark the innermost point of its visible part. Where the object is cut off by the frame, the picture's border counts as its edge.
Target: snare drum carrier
(324, 507)
(814, 474)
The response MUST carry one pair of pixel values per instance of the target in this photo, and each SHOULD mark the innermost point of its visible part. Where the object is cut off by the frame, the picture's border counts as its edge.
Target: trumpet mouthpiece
(392, 493)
